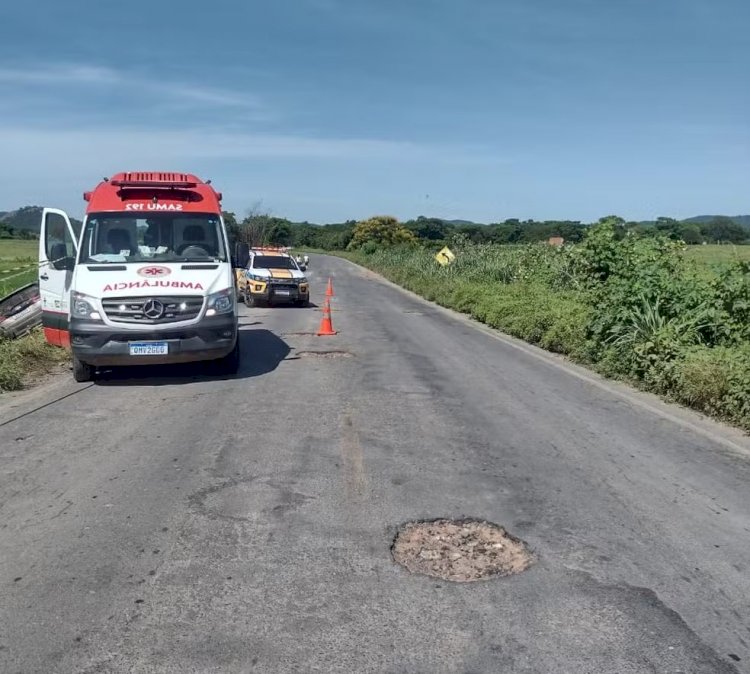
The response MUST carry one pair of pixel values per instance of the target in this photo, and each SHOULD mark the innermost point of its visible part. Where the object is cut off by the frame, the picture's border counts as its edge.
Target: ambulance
(147, 280)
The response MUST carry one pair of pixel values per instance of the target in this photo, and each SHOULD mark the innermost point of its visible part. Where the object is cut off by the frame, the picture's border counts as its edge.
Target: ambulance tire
(82, 372)
(230, 364)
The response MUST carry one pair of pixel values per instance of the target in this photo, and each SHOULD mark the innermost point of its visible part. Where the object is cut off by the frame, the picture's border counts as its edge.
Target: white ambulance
(148, 279)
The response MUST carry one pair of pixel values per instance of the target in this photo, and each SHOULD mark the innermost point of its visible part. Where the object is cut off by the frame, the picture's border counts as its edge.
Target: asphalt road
(166, 521)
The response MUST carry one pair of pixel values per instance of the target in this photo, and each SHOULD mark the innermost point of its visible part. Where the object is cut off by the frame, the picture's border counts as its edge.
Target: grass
(22, 359)
(717, 255)
(16, 253)
(11, 249)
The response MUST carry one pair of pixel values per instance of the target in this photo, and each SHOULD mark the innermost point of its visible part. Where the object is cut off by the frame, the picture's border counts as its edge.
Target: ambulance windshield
(165, 237)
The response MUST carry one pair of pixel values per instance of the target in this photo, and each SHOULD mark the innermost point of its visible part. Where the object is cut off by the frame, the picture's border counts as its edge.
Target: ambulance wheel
(82, 372)
(229, 364)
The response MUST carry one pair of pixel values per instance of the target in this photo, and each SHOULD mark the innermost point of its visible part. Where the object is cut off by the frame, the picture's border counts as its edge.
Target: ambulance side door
(57, 253)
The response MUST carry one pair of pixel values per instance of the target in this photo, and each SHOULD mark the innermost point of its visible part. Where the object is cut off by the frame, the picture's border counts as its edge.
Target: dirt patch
(324, 354)
(460, 550)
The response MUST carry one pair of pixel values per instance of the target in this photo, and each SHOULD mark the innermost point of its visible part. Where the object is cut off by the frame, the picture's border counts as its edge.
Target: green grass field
(717, 255)
(15, 253)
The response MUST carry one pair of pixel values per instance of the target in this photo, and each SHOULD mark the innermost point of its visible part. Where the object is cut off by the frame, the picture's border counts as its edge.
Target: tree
(690, 233)
(383, 230)
(669, 227)
(432, 229)
(254, 229)
(279, 232)
(724, 230)
(617, 223)
(233, 227)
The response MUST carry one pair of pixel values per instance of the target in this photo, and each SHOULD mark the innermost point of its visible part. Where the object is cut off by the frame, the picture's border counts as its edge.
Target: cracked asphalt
(165, 521)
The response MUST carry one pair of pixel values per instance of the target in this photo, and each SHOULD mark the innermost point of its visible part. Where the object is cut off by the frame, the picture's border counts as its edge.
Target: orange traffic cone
(326, 326)
(329, 289)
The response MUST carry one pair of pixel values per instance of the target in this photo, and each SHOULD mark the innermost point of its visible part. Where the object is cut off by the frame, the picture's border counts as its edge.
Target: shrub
(27, 355)
(716, 381)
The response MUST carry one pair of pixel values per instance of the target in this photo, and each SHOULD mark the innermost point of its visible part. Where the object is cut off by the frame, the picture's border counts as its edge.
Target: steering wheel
(191, 250)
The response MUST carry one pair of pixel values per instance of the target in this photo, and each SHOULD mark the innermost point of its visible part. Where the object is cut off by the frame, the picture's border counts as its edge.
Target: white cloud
(55, 74)
(108, 80)
(130, 144)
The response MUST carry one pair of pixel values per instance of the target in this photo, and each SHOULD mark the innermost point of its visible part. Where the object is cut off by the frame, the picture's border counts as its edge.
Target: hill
(27, 218)
(25, 221)
(743, 220)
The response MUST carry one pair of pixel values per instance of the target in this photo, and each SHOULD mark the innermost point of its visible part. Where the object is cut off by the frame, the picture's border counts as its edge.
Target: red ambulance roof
(153, 192)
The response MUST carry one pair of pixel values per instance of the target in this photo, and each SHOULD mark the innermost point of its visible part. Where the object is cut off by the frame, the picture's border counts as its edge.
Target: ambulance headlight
(221, 302)
(83, 307)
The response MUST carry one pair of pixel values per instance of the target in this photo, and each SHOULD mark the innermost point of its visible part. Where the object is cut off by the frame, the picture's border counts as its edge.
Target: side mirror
(59, 258)
(303, 267)
(241, 255)
(64, 264)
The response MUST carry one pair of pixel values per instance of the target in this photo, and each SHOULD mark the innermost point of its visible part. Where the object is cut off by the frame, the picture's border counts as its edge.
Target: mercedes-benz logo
(153, 309)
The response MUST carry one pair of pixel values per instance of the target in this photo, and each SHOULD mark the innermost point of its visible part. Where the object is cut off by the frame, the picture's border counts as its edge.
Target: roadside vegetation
(633, 307)
(21, 360)
(18, 264)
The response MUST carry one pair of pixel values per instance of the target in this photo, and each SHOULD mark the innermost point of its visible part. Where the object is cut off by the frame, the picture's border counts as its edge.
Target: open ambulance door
(57, 253)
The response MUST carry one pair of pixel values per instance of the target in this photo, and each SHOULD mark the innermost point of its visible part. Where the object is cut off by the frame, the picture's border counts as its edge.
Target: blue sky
(327, 110)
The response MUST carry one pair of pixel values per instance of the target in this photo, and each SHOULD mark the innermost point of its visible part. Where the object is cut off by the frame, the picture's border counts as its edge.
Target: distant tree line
(8, 232)
(263, 229)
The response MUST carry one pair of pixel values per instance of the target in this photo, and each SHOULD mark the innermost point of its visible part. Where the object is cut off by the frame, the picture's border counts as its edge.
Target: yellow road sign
(445, 256)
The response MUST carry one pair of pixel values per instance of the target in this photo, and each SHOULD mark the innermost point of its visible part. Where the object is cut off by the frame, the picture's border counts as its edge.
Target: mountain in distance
(743, 220)
(26, 218)
(462, 223)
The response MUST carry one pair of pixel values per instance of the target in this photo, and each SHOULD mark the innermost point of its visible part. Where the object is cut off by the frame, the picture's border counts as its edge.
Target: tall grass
(22, 359)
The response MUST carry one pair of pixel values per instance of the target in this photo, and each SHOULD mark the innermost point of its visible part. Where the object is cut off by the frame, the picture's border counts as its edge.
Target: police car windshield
(165, 237)
(273, 262)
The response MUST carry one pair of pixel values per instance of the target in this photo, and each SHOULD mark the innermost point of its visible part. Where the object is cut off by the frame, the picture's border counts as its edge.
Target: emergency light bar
(158, 184)
(150, 185)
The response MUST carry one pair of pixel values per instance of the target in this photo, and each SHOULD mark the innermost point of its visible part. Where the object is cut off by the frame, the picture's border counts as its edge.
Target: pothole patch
(324, 354)
(461, 551)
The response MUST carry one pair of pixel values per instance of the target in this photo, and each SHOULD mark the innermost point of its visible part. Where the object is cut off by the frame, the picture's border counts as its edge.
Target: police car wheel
(82, 372)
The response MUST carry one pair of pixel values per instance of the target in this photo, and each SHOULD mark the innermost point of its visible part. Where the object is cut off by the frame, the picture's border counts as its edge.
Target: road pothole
(324, 354)
(460, 550)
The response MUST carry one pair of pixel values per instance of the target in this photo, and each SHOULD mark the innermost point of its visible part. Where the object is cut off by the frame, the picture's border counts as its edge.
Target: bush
(716, 381)
(24, 356)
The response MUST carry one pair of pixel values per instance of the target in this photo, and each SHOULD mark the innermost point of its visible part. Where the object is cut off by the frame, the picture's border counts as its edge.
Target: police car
(272, 275)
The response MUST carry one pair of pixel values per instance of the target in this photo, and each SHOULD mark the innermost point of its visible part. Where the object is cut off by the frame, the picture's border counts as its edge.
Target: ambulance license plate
(148, 348)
